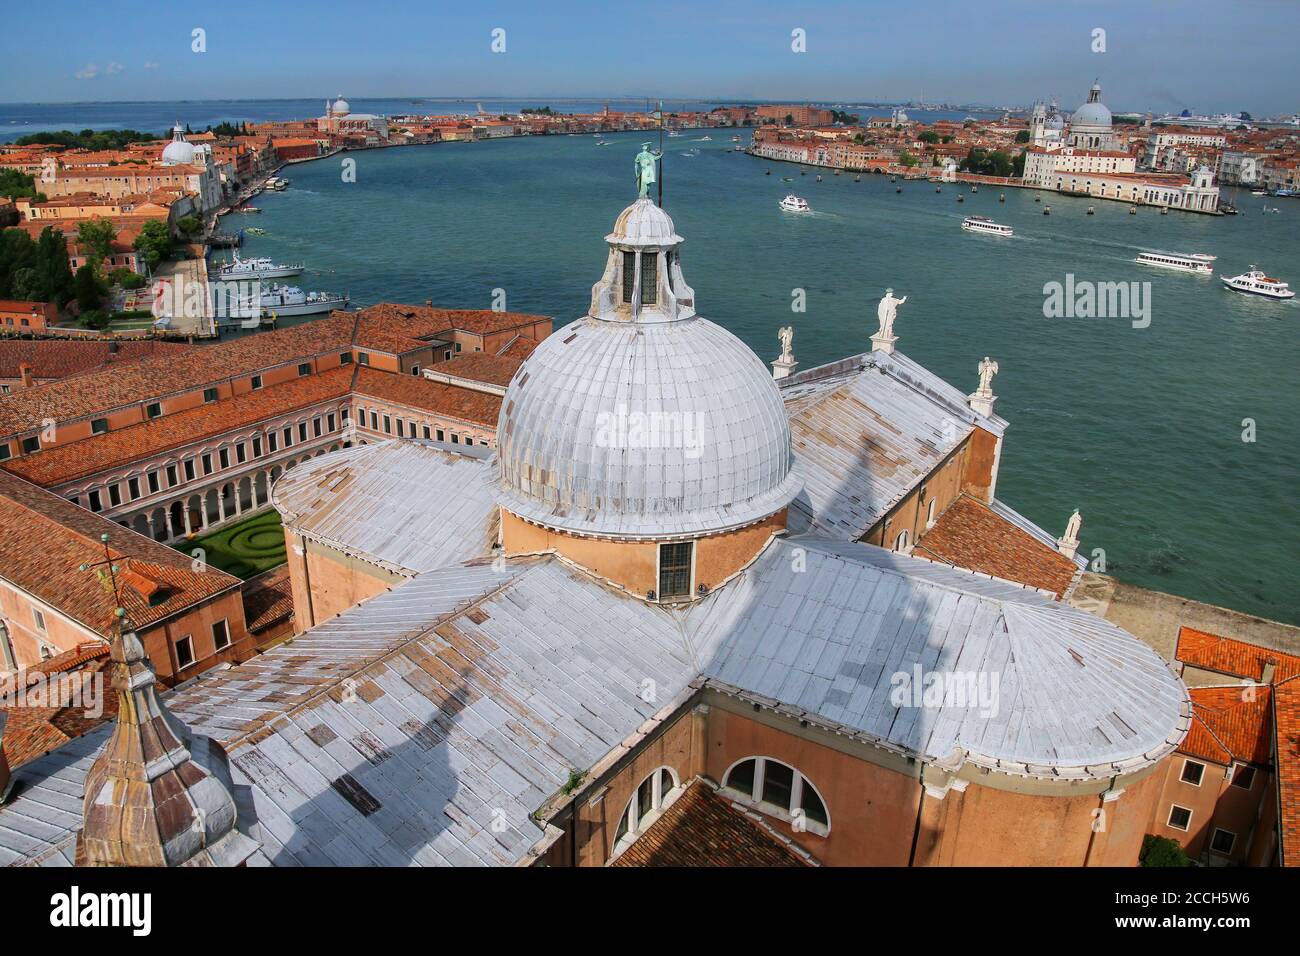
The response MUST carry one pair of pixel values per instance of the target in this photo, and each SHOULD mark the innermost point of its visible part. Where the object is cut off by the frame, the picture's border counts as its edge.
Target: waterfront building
(1046, 127)
(1241, 167)
(1091, 125)
(18, 314)
(340, 121)
(800, 115)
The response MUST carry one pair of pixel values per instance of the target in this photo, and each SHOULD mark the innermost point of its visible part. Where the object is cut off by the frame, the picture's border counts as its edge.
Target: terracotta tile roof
(970, 535)
(481, 367)
(68, 537)
(462, 404)
(702, 829)
(62, 463)
(268, 598)
(32, 732)
(59, 358)
(148, 379)
(519, 348)
(1287, 717)
(1225, 655)
(396, 328)
(1231, 723)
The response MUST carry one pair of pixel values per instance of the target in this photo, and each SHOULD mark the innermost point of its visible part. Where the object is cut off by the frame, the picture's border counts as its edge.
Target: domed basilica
(680, 591)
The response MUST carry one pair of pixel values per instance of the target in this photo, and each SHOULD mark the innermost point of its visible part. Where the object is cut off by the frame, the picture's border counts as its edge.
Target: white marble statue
(988, 368)
(786, 335)
(887, 311)
(1072, 526)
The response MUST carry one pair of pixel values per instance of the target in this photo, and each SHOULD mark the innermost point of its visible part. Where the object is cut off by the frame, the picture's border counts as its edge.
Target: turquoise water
(1138, 428)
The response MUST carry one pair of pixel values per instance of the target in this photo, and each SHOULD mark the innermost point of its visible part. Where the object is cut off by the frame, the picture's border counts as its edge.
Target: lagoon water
(1140, 428)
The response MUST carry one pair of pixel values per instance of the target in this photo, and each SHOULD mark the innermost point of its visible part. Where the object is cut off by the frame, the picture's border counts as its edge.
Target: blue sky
(1160, 54)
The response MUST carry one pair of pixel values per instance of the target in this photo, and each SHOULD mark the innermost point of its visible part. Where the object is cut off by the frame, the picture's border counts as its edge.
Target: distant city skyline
(1162, 56)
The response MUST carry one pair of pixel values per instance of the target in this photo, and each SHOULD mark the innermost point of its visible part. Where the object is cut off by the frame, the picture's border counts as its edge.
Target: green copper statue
(645, 170)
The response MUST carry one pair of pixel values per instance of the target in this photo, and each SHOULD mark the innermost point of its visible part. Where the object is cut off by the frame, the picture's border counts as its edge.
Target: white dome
(618, 428)
(644, 420)
(340, 107)
(178, 152)
(1091, 114)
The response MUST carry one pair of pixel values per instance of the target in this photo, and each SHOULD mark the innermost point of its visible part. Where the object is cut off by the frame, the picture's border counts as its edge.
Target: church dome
(643, 419)
(1092, 113)
(340, 107)
(178, 152)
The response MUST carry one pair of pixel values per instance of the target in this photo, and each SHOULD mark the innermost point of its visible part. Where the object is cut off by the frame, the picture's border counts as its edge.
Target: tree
(190, 225)
(1022, 136)
(1161, 851)
(18, 185)
(789, 119)
(1018, 166)
(980, 160)
(907, 159)
(929, 136)
(53, 266)
(96, 319)
(86, 287)
(96, 237)
(154, 243)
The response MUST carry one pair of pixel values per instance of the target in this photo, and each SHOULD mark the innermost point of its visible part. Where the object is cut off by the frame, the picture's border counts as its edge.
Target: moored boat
(291, 300)
(262, 268)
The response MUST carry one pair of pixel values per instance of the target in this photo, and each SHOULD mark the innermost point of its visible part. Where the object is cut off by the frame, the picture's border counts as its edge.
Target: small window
(184, 652)
(5, 451)
(649, 278)
(401, 428)
(31, 444)
(256, 382)
(330, 422)
(1222, 841)
(903, 541)
(241, 453)
(38, 619)
(374, 421)
(223, 456)
(363, 358)
(302, 431)
(153, 410)
(1244, 778)
(257, 446)
(629, 275)
(207, 464)
(929, 513)
(154, 485)
(345, 358)
(426, 432)
(171, 476)
(133, 488)
(469, 440)
(1193, 772)
(221, 635)
(272, 439)
(96, 504)
(440, 434)
(98, 426)
(315, 427)
(455, 439)
(675, 570)
(651, 797)
(209, 395)
(304, 368)
(189, 469)
(415, 370)
(388, 425)
(288, 437)
(114, 495)
(1180, 818)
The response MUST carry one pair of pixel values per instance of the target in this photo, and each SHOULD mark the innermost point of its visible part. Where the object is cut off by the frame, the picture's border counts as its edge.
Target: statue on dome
(887, 311)
(645, 170)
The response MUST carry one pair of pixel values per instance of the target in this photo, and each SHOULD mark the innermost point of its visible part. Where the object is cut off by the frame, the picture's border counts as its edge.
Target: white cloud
(87, 72)
(151, 65)
(113, 68)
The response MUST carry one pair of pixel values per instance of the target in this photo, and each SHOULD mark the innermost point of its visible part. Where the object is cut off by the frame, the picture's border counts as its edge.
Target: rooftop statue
(645, 170)
(887, 311)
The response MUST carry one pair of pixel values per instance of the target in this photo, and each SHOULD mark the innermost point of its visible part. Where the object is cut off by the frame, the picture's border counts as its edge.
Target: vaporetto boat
(1257, 283)
(985, 225)
(1197, 262)
(261, 268)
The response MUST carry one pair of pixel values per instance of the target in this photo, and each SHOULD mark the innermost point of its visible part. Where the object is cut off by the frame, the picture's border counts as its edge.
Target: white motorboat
(262, 268)
(291, 300)
(793, 203)
(1197, 262)
(1257, 283)
(986, 226)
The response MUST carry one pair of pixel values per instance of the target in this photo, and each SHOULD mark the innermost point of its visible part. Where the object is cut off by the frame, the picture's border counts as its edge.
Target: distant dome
(644, 421)
(178, 152)
(1092, 113)
(1055, 122)
(340, 107)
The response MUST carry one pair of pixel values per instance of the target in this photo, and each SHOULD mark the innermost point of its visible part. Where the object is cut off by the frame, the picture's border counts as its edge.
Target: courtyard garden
(244, 548)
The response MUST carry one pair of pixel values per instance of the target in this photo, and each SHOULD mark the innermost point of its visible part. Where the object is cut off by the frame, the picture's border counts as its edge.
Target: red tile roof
(970, 535)
(481, 367)
(450, 401)
(68, 537)
(1287, 717)
(702, 828)
(120, 446)
(1225, 655)
(1231, 723)
(33, 731)
(59, 358)
(268, 599)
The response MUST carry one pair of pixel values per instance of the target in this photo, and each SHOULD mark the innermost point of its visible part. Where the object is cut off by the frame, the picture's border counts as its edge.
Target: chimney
(112, 347)
(25, 372)
(428, 303)
(6, 780)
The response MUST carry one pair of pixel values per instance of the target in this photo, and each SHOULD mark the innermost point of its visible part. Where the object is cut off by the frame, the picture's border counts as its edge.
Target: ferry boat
(291, 300)
(1197, 262)
(276, 183)
(262, 268)
(1258, 283)
(985, 225)
(793, 203)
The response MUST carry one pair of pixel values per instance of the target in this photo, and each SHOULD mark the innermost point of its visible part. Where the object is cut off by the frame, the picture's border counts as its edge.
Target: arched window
(654, 794)
(778, 789)
(903, 541)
